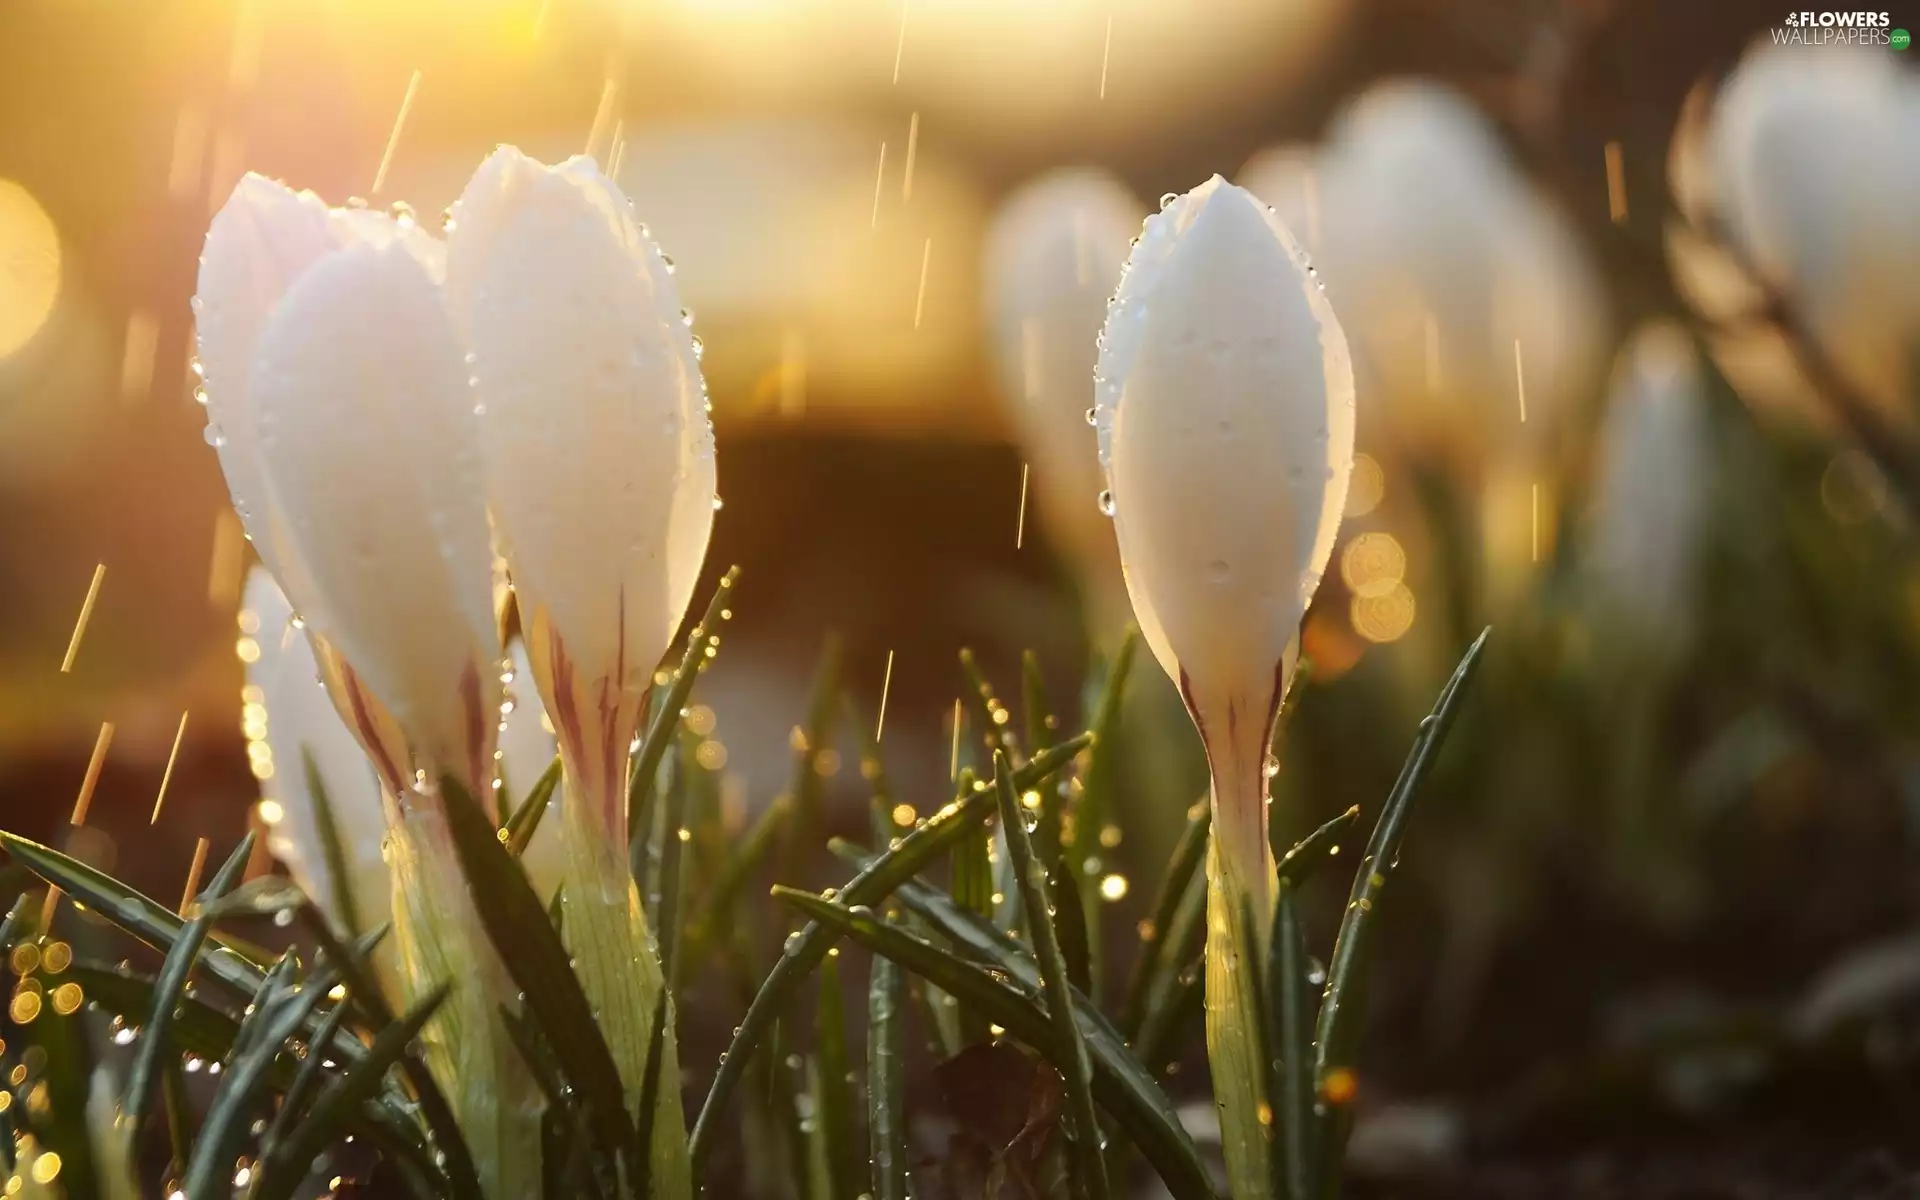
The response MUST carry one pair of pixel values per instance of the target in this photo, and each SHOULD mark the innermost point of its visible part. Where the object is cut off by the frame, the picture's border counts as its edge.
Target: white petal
(261, 241)
(599, 452)
(1817, 160)
(1440, 257)
(1226, 428)
(1053, 254)
(301, 720)
(367, 436)
(1655, 477)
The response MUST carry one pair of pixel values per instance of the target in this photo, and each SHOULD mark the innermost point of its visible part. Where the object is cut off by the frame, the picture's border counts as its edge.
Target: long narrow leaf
(673, 846)
(805, 949)
(516, 922)
(525, 821)
(1070, 1048)
(650, 1092)
(282, 1172)
(171, 982)
(1290, 1053)
(1098, 782)
(701, 639)
(1338, 1031)
(209, 1173)
(1120, 1084)
(140, 916)
(332, 850)
(1188, 853)
(886, 1080)
(839, 1125)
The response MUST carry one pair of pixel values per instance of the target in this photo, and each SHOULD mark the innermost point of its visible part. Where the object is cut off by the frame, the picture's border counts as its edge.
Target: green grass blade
(673, 845)
(1188, 853)
(970, 881)
(1090, 1164)
(363, 994)
(1338, 1032)
(171, 981)
(1041, 722)
(836, 1114)
(517, 925)
(1098, 781)
(701, 639)
(1315, 850)
(749, 854)
(133, 913)
(209, 1173)
(1070, 926)
(887, 1080)
(650, 1092)
(332, 850)
(805, 949)
(282, 1172)
(1174, 975)
(996, 721)
(816, 736)
(311, 1074)
(525, 821)
(1290, 1052)
(1120, 1084)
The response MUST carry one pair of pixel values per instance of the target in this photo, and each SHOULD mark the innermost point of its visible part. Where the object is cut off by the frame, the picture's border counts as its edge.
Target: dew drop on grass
(1105, 501)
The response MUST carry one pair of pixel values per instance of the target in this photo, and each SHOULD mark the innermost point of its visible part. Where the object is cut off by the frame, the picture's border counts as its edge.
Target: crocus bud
(1816, 170)
(1655, 477)
(1225, 410)
(338, 403)
(285, 707)
(1052, 256)
(599, 452)
(1456, 281)
(600, 478)
(1226, 419)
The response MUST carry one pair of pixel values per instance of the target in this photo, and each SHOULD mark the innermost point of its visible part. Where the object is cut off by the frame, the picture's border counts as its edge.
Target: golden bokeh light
(1367, 487)
(1373, 564)
(29, 267)
(1384, 617)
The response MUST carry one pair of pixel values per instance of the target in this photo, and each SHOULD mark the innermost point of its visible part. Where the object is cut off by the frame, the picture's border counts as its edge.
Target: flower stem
(439, 940)
(1240, 885)
(605, 930)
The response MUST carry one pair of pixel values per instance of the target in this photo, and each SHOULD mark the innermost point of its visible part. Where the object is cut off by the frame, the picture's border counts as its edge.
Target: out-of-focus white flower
(599, 452)
(1655, 477)
(1052, 255)
(285, 706)
(1814, 164)
(1440, 258)
(1226, 422)
(339, 405)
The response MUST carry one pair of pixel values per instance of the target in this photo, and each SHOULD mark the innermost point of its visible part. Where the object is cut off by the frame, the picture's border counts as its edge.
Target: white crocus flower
(1814, 161)
(598, 448)
(1441, 258)
(601, 481)
(340, 405)
(1226, 422)
(1650, 503)
(1052, 255)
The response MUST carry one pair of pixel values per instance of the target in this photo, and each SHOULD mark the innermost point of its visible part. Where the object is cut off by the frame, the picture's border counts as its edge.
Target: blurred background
(1637, 328)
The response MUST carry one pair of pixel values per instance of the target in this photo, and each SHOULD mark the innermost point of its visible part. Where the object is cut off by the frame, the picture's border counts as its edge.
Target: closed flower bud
(1651, 499)
(1226, 422)
(598, 448)
(1456, 281)
(1052, 256)
(1815, 167)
